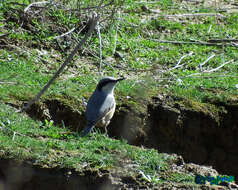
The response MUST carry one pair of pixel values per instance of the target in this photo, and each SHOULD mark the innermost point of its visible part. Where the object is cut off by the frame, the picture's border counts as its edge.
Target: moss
(73, 103)
(206, 108)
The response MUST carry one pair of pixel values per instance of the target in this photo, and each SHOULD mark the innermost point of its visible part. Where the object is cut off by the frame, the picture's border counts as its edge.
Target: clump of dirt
(59, 112)
(128, 124)
(19, 176)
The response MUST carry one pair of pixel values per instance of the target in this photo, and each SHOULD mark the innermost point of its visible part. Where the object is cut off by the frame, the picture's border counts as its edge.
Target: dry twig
(115, 37)
(179, 61)
(94, 22)
(95, 56)
(194, 42)
(212, 70)
(62, 35)
(35, 4)
(199, 76)
(222, 40)
(209, 29)
(4, 127)
(100, 47)
(204, 62)
(7, 82)
(222, 65)
(193, 14)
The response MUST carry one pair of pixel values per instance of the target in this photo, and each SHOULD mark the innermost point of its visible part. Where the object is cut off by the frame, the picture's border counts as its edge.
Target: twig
(215, 69)
(222, 40)
(179, 61)
(186, 55)
(115, 37)
(182, 42)
(212, 70)
(100, 47)
(234, 44)
(209, 29)
(4, 127)
(194, 14)
(62, 35)
(198, 76)
(2, 82)
(89, 8)
(16, 3)
(146, 9)
(204, 62)
(94, 19)
(13, 137)
(147, 2)
(3, 35)
(34, 4)
(95, 56)
(196, 42)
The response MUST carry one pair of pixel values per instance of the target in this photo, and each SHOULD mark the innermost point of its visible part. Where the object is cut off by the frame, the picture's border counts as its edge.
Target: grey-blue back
(98, 106)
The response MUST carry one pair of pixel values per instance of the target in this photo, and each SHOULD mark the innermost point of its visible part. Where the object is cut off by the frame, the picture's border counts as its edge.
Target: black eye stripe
(103, 83)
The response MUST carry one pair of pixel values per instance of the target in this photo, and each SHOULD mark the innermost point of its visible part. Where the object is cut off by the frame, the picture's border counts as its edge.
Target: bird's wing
(106, 110)
(96, 109)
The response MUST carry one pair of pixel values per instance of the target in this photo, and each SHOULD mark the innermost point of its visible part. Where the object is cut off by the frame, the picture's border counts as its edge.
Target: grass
(29, 56)
(47, 145)
(140, 52)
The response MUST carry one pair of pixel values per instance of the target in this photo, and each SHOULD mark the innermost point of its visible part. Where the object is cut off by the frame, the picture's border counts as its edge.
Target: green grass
(140, 51)
(29, 56)
(47, 145)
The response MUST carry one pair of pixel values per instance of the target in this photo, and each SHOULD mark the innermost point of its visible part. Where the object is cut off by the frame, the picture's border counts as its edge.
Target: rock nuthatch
(101, 105)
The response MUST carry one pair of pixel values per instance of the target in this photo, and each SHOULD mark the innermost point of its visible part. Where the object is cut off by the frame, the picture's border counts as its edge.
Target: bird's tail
(86, 129)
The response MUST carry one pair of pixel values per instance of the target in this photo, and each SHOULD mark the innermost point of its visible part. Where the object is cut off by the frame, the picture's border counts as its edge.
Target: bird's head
(107, 84)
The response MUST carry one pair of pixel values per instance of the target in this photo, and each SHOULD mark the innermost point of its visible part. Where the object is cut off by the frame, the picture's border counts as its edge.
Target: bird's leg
(105, 128)
(93, 131)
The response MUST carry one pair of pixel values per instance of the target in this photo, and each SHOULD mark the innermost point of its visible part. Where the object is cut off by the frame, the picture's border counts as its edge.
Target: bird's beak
(119, 79)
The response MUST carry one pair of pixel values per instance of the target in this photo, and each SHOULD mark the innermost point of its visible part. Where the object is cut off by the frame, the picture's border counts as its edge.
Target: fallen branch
(209, 29)
(35, 4)
(95, 56)
(146, 9)
(147, 2)
(4, 127)
(196, 42)
(189, 54)
(179, 61)
(94, 21)
(100, 47)
(182, 42)
(222, 40)
(212, 70)
(62, 35)
(234, 44)
(3, 35)
(193, 14)
(2, 82)
(215, 69)
(204, 62)
(115, 37)
(89, 8)
(198, 76)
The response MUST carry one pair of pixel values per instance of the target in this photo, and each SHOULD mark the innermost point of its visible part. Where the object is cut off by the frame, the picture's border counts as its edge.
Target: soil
(202, 133)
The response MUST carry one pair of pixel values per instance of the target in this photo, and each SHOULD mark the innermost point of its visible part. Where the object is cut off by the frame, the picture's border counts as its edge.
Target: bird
(101, 105)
